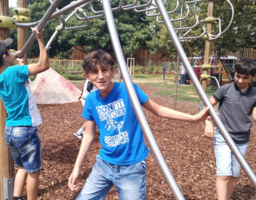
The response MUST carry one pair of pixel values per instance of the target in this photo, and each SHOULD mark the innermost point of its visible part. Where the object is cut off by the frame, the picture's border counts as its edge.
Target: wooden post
(22, 33)
(207, 44)
(133, 66)
(6, 161)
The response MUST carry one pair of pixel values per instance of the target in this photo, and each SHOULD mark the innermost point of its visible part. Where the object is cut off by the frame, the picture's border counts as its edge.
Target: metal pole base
(8, 185)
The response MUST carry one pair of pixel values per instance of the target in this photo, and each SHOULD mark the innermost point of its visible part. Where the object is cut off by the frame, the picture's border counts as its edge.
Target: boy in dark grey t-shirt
(236, 111)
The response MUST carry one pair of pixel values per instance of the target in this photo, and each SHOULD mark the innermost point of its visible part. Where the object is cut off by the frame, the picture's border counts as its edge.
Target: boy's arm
(85, 146)
(43, 63)
(254, 114)
(209, 127)
(173, 114)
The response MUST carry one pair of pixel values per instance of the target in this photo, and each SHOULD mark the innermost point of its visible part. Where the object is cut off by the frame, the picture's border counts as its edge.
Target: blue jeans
(25, 146)
(227, 164)
(182, 79)
(129, 180)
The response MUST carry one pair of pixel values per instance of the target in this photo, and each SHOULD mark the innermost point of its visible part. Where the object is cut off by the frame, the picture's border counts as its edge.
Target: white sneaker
(79, 135)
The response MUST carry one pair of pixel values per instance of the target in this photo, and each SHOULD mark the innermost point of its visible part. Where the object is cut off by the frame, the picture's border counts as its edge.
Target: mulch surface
(188, 153)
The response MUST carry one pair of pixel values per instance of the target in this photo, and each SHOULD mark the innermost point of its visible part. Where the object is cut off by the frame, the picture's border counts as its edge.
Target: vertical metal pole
(133, 66)
(178, 60)
(202, 94)
(136, 105)
(6, 161)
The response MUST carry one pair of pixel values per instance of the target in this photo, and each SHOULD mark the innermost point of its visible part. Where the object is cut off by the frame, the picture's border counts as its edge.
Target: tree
(132, 28)
(238, 36)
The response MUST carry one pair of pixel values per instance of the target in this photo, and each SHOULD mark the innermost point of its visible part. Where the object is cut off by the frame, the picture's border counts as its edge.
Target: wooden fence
(142, 57)
(249, 53)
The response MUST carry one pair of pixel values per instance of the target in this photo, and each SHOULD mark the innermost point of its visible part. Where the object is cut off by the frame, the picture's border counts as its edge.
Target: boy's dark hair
(246, 66)
(97, 58)
(4, 51)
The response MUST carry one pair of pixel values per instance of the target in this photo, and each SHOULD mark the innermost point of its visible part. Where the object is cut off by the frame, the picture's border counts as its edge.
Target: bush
(157, 69)
(139, 69)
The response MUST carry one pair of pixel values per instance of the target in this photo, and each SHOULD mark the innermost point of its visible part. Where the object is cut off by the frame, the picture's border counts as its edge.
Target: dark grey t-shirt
(235, 110)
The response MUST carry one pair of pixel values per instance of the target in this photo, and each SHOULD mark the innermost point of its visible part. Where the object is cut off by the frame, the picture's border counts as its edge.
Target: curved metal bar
(188, 2)
(179, 19)
(27, 25)
(185, 28)
(62, 19)
(40, 26)
(195, 37)
(90, 17)
(135, 103)
(55, 14)
(130, 5)
(77, 16)
(150, 9)
(140, 6)
(231, 20)
(80, 27)
(220, 33)
(203, 96)
(71, 15)
(102, 11)
(96, 16)
(215, 80)
(49, 43)
(169, 12)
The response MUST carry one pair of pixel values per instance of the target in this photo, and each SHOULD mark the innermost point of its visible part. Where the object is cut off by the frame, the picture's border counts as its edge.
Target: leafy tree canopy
(239, 35)
(133, 30)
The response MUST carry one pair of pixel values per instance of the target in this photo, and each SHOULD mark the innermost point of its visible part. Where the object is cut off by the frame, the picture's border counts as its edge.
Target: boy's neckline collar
(246, 91)
(109, 94)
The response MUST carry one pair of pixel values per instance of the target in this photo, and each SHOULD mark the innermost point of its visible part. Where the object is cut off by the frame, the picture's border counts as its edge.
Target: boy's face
(101, 78)
(242, 80)
(9, 59)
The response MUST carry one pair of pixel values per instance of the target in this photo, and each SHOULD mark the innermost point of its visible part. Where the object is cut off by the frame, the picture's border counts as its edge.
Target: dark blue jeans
(182, 79)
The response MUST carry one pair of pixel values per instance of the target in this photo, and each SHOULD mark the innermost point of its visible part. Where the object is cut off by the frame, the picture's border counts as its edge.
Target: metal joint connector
(59, 28)
(79, 9)
(204, 76)
(206, 66)
(210, 36)
(209, 19)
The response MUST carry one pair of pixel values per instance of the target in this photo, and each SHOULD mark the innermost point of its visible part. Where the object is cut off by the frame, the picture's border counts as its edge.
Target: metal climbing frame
(202, 94)
(136, 105)
(150, 6)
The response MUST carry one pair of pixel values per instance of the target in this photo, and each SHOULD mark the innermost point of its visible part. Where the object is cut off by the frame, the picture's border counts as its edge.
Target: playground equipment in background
(150, 7)
(226, 63)
(50, 87)
(131, 65)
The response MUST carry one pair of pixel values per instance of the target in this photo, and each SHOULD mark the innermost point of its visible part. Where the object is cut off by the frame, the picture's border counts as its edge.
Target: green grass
(73, 77)
(184, 92)
(153, 76)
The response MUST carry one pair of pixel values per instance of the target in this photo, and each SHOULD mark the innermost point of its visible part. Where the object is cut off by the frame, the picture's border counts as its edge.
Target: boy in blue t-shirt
(122, 159)
(236, 111)
(21, 132)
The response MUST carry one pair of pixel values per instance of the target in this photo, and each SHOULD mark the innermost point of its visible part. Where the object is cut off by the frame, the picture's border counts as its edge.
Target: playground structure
(131, 65)
(148, 7)
(226, 63)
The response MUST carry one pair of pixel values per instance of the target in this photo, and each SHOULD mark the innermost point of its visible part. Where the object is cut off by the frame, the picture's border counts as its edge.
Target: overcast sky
(12, 3)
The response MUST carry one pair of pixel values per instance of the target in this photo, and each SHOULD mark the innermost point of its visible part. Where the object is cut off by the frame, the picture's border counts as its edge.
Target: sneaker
(79, 135)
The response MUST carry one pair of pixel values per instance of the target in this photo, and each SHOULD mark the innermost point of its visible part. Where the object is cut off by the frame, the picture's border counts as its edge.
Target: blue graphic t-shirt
(18, 98)
(121, 136)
